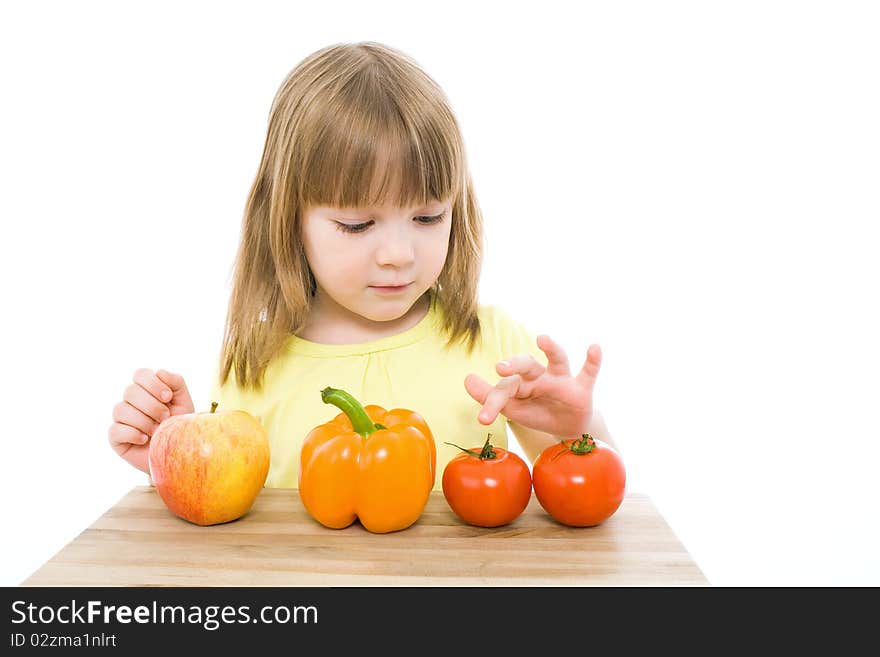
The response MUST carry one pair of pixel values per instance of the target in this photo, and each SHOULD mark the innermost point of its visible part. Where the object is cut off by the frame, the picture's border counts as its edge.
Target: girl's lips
(384, 289)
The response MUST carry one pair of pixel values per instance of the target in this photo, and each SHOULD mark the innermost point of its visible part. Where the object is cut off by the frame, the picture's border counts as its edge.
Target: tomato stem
(580, 446)
(585, 445)
(359, 417)
(487, 453)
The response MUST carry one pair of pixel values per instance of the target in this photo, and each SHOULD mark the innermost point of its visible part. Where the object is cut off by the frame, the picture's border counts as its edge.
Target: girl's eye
(427, 221)
(360, 228)
(353, 228)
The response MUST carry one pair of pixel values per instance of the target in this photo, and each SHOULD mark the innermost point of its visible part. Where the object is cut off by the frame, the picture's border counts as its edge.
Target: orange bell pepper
(369, 464)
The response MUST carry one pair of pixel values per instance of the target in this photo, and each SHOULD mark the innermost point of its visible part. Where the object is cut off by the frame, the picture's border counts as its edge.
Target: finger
(524, 365)
(181, 402)
(480, 390)
(122, 436)
(498, 398)
(150, 382)
(557, 361)
(477, 387)
(590, 370)
(125, 413)
(145, 402)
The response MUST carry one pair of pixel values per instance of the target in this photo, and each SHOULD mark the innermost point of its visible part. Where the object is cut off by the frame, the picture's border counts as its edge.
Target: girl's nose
(395, 250)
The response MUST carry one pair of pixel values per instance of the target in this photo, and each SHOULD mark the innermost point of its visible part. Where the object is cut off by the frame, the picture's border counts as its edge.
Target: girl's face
(376, 262)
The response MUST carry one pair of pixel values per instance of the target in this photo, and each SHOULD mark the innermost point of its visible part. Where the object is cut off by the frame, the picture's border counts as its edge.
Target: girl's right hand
(151, 398)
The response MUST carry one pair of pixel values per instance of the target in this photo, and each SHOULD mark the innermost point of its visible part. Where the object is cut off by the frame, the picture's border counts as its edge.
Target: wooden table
(138, 542)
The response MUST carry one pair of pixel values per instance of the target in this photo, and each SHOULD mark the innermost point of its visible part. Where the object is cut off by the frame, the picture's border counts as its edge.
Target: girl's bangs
(373, 160)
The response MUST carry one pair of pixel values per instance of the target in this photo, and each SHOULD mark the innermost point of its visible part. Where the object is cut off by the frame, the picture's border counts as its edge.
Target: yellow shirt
(412, 370)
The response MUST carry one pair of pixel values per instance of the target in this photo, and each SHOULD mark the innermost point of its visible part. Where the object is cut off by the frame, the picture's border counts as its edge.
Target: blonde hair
(352, 125)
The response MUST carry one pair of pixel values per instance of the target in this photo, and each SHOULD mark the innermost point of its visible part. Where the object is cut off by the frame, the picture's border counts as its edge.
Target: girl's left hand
(547, 399)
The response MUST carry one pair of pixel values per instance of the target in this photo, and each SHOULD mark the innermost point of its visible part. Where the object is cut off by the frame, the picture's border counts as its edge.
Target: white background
(692, 185)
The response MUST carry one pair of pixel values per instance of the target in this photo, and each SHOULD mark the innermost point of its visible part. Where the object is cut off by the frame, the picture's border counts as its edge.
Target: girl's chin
(386, 309)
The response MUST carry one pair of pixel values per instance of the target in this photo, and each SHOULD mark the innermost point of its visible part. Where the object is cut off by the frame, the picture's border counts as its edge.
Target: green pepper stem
(360, 420)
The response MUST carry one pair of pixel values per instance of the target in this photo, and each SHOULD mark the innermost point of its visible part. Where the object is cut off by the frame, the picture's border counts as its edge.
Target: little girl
(357, 269)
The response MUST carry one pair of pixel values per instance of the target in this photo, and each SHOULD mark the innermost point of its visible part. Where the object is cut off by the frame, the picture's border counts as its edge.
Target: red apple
(209, 468)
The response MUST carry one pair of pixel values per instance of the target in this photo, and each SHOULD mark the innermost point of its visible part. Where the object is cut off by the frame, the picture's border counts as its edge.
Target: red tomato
(487, 487)
(579, 482)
